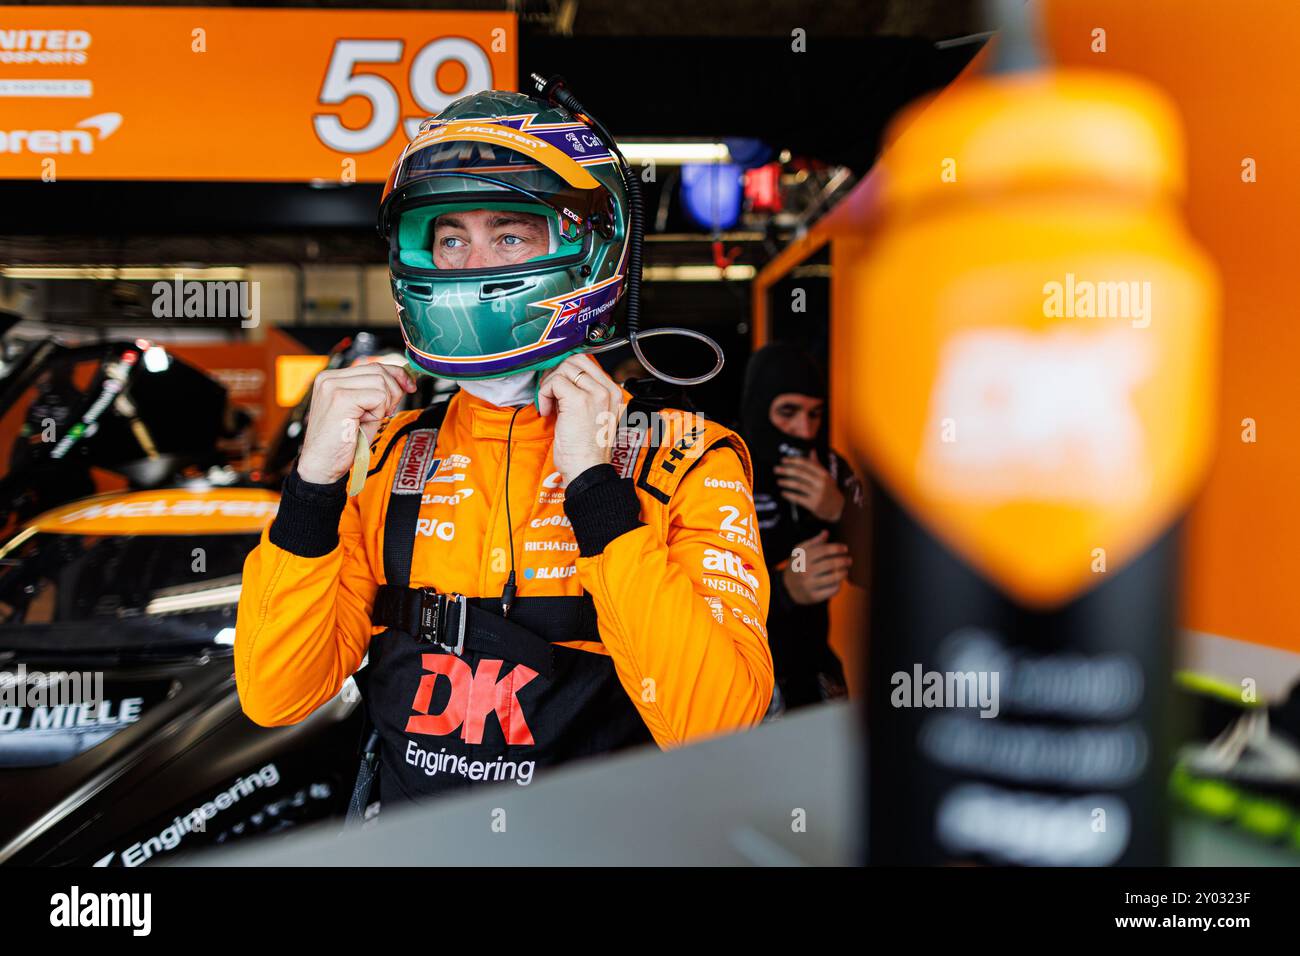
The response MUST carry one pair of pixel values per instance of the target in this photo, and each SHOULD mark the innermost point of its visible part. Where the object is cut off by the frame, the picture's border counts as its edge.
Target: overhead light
(141, 273)
(696, 273)
(674, 154)
(734, 235)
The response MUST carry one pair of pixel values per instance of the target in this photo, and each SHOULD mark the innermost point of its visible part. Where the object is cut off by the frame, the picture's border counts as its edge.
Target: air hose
(554, 91)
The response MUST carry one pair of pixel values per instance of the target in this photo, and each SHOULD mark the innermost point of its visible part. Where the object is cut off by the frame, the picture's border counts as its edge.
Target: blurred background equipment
(127, 409)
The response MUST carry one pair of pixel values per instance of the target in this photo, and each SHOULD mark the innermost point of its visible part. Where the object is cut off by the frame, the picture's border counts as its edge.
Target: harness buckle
(434, 624)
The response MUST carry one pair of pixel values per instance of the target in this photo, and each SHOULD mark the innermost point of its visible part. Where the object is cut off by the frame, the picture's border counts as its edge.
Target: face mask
(768, 444)
(506, 391)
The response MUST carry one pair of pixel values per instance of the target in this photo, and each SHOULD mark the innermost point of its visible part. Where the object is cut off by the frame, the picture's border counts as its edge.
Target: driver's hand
(343, 400)
(586, 403)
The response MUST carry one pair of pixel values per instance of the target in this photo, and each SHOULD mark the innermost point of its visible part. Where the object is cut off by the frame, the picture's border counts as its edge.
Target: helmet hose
(556, 92)
(663, 376)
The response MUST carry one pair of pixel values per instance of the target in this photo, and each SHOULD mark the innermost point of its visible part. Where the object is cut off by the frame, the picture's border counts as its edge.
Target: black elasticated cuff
(307, 523)
(601, 506)
(595, 475)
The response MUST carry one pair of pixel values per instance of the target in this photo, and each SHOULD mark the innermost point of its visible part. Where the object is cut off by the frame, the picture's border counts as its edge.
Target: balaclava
(517, 388)
(778, 369)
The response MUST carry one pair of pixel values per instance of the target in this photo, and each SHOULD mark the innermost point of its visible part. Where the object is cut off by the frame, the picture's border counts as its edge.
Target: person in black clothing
(809, 506)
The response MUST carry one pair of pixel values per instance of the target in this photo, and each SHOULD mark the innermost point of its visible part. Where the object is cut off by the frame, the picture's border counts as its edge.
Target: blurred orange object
(1234, 78)
(1034, 356)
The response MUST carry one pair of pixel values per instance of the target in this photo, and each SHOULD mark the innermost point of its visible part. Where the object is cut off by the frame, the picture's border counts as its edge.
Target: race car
(122, 741)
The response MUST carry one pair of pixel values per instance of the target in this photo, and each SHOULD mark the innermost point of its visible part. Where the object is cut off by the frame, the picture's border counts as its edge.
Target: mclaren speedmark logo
(66, 142)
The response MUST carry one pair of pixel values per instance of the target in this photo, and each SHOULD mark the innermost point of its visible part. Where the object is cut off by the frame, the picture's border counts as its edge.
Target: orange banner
(199, 93)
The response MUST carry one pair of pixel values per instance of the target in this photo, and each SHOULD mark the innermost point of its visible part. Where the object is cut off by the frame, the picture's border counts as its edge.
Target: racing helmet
(505, 150)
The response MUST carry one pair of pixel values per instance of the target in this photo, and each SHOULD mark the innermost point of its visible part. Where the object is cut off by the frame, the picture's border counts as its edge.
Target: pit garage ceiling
(663, 69)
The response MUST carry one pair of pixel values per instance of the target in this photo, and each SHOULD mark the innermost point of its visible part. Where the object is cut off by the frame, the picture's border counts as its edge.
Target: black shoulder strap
(419, 442)
(666, 464)
(402, 514)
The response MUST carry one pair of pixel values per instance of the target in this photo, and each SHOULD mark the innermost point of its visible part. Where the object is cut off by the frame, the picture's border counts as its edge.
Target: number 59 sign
(347, 77)
(225, 93)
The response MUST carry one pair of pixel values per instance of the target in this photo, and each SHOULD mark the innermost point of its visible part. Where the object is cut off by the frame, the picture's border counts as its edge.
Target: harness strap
(453, 622)
(403, 511)
(456, 624)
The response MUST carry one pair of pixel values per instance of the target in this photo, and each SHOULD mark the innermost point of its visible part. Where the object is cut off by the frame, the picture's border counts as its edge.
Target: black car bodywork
(149, 756)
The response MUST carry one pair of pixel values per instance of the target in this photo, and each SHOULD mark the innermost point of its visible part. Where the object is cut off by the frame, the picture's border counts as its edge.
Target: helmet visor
(422, 225)
(470, 156)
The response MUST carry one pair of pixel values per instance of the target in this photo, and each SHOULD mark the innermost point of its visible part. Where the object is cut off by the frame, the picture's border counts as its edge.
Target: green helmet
(503, 150)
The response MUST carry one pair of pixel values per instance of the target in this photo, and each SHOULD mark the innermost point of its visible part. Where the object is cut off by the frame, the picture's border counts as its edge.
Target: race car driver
(536, 574)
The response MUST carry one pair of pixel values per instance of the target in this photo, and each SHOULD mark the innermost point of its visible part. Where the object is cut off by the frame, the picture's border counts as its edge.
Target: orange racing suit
(661, 543)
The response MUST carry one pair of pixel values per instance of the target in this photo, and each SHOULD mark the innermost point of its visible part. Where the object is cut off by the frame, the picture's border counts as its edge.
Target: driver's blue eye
(512, 240)
(447, 241)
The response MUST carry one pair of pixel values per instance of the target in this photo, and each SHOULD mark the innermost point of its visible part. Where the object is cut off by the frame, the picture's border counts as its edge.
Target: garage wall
(1233, 72)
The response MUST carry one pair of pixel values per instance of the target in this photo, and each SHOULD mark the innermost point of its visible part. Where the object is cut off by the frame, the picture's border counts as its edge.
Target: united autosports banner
(233, 94)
